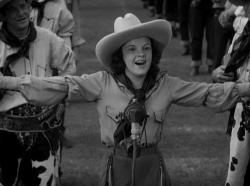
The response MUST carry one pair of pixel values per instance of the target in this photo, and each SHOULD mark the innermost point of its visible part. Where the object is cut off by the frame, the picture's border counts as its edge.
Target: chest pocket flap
(159, 116)
(113, 113)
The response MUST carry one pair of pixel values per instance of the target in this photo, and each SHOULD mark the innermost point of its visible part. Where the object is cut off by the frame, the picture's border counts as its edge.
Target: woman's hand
(219, 76)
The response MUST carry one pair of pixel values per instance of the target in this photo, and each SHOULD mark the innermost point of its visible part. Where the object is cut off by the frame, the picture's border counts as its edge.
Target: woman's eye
(131, 49)
(147, 48)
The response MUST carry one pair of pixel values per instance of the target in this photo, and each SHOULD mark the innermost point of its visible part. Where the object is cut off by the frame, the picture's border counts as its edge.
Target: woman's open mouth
(140, 62)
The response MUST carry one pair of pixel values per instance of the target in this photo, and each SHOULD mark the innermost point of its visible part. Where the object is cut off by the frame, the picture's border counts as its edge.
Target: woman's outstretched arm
(52, 90)
(37, 90)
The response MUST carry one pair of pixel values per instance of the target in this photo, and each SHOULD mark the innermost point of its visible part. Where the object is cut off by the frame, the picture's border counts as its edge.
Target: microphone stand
(135, 135)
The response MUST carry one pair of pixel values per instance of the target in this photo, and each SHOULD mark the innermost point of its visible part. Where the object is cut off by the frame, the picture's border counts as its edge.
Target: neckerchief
(240, 51)
(124, 126)
(148, 84)
(7, 37)
(40, 6)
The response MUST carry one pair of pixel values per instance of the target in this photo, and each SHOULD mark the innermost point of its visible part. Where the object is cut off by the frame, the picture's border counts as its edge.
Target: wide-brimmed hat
(130, 27)
(3, 2)
(240, 2)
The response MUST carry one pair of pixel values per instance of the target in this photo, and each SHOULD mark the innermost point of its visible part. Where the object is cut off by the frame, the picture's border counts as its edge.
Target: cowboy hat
(240, 2)
(3, 2)
(128, 28)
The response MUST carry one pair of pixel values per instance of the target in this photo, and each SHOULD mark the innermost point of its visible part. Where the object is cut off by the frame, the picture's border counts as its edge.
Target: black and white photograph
(124, 92)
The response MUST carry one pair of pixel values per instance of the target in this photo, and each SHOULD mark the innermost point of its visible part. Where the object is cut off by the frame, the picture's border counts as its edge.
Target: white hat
(128, 28)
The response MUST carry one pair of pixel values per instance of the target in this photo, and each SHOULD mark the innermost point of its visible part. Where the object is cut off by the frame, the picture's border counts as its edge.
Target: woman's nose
(141, 52)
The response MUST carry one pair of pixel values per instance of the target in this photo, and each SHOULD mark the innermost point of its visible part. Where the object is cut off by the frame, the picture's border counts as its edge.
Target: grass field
(194, 143)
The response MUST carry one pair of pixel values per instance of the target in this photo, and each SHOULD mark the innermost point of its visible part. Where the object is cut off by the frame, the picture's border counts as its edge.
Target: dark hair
(118, 66)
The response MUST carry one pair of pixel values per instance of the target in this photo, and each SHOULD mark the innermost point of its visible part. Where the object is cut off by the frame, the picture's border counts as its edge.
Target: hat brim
(240, 2)
(158, 30)
(3, 2)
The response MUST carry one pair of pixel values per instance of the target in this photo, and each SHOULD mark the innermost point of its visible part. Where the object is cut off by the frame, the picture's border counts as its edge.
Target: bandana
(7, 37)
(39, 4)
(123, 129)
(240, 51)
(148, 83)
(239, 55)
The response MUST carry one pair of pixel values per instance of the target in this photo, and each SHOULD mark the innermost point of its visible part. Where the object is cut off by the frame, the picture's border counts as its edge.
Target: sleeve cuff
(243, 89)
(11, 83)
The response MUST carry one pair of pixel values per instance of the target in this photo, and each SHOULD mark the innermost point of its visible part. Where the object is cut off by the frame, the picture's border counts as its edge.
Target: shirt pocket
(49, 23)
(159, 116)
(113, 113)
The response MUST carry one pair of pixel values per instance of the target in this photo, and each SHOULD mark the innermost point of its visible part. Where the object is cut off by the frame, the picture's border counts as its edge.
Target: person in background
(171, 14)
(133, 97)
(144, 3)
(184, 20)
(222, 34)
(54, 16)
(236, 68)
(201, 21)
(77, 39)
(29, 134)
(159, 14)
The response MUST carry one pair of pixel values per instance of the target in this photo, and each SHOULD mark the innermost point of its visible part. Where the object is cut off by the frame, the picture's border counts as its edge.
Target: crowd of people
(194, 20)
(39, 46)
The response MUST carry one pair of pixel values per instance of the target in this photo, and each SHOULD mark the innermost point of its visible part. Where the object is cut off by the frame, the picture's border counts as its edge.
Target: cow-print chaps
(35, 161)
(239, 150)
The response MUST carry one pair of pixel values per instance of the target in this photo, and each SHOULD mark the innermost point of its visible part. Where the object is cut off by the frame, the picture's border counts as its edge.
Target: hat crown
(129, 21)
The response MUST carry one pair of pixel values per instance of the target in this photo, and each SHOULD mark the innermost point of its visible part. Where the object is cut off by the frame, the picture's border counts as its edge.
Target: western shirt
(112, 97)
(46, 52)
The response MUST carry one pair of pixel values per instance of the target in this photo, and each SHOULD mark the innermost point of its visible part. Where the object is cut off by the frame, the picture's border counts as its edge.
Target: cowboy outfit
(118, 101)
(29, 134)
(53, 15)
(239, 125)
(77, 39)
